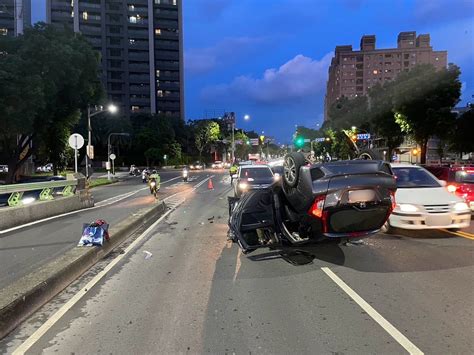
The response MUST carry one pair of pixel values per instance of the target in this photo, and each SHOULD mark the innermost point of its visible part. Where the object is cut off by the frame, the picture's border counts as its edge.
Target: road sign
(90, 151)
(362, 136)
(76, 141)
(254, 141)
(319, 139)
(113, 156)
(107, 165)
(307, 140)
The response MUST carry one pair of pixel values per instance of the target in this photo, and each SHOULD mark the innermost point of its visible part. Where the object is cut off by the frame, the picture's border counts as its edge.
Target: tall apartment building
(141, 46)
(352, 73)
(15, 15)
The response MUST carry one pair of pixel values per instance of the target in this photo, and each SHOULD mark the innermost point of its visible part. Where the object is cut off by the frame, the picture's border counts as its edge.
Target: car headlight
(404, 207)
(243, 186)
(461, 206)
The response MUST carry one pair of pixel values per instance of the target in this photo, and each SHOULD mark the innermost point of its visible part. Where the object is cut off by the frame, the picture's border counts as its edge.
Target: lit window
(375, 72)
(135, 108)
(158, 31)
(436, 58)
(4, 32)
(411, 42)
(131, 7)
(157, 73)
(160, 93)
(131, 41)
(174, 2)
(85, 15)
(132, 19)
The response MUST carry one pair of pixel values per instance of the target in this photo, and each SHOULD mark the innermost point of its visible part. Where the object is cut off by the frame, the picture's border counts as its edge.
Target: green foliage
(46, 77)
(462, 140)
(346, 112)
(206, 132)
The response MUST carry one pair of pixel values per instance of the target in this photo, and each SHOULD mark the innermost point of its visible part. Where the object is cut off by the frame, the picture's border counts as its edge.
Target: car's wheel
(291, 168)
(369, 154)
(386, 228)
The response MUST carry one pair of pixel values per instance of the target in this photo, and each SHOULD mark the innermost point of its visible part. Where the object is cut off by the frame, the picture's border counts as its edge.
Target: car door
(252, 219)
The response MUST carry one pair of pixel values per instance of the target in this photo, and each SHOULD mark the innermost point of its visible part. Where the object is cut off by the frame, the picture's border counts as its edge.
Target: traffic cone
(210, 186)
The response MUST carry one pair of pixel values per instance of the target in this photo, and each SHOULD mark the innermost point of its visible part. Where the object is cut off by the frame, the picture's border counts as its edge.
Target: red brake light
(316, 209)
(392, 198)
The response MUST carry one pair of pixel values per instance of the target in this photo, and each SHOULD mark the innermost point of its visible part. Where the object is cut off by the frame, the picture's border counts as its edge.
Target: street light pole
(89, 138)
(233, 141)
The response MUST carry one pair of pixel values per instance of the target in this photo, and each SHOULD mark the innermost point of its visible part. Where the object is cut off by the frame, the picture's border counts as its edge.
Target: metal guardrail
(16, 191)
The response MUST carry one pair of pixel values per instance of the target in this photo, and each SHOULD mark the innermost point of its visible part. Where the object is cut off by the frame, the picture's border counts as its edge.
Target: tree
(423, 100)
(463, 141)
(54, 72)
(382, 119)
(345, 113)
(206, 133)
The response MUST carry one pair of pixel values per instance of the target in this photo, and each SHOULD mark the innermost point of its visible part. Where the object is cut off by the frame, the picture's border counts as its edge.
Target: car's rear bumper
(430, 220)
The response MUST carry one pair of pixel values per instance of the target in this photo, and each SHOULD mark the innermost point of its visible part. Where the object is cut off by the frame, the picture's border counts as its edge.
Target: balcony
(139, 101)
(164, 45)
(137, 33)
(139, 89)
(139, 78)
(166, 55)
(139, 68)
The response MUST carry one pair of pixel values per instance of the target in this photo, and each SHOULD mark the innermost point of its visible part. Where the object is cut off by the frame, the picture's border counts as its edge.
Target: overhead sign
(254, 141)
(113, 156)
(76, 141)
(319, 139)
(307, 140)
(362, 136)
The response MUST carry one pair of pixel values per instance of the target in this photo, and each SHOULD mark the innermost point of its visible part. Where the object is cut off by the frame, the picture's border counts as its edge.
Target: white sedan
(423, 202)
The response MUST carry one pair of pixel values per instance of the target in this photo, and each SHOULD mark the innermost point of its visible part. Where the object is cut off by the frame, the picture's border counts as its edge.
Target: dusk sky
(269, 58)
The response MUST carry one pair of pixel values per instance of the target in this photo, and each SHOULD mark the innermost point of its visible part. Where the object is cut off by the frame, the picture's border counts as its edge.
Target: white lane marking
(100, 204)
(77, 297)
(376, 316)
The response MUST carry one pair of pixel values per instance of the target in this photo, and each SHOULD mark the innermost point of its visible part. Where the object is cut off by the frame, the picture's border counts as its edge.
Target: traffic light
(299, 142)
(262, 139)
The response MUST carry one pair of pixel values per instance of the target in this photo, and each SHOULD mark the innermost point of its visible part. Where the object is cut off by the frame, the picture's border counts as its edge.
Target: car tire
(369, 154)
(291, 168)
(387, 228)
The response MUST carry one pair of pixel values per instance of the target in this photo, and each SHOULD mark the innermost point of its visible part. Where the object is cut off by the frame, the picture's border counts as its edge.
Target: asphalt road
(25, 249)
(198, 294)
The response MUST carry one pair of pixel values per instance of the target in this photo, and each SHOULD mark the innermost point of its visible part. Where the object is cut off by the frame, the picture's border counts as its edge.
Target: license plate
(438, 221)
(361, 196)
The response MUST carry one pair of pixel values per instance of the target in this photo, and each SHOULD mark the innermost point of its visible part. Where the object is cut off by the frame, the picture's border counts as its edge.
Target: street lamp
(109, 150)
(98, 109)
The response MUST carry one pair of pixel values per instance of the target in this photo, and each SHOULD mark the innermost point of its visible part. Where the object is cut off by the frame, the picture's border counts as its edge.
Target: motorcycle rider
(185, 174)
(232, 171)
(145, 175)
(154, 176)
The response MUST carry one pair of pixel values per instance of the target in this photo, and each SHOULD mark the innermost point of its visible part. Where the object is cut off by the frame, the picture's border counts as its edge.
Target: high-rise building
(352, 73)
(141, 46)
(15, 15)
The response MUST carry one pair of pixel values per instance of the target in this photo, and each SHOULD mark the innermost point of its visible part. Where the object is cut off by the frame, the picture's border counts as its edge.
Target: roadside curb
(22, 298)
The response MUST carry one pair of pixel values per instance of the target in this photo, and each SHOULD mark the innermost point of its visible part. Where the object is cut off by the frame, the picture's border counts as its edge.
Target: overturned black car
(342, 200)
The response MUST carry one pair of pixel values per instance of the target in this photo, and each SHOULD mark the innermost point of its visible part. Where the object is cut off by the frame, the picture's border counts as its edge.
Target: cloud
(440, 11)
(298, 79)
(203, 60)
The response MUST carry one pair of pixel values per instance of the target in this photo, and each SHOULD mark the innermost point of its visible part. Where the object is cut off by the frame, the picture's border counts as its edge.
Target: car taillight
(316, 209)
(392, 199)
(451, 188)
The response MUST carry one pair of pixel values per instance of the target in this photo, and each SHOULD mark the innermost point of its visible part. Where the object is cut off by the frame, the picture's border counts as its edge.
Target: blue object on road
(94, 233)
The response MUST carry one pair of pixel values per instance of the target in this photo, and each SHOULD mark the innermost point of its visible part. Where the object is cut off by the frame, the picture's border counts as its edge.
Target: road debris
(148, 255)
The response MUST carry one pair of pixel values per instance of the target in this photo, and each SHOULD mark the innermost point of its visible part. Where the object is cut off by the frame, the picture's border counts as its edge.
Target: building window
(4, 32)
(132, 19)
(158, 73)
(406, 56)
(160, 93)
(114, 29)
(375, 71)
(131, 41)
(435, 58)
(135, 108)
(406, 63)
(158, 31)
(85, 15)
(388, 56)
(115, 41)
(413, 55)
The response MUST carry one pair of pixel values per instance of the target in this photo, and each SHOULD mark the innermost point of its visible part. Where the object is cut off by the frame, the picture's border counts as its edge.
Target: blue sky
(269, 58)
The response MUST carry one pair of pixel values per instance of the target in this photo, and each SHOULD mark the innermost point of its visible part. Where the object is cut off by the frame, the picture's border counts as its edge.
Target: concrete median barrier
(22, 298)
(15, 216)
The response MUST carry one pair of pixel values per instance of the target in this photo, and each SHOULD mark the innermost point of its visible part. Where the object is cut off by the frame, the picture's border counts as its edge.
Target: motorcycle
(340, 200)
(185, 175)
(154, 187)
(145, 175)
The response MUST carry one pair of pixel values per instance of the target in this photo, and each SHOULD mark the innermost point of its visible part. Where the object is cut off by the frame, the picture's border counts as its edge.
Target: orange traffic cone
(210, 186)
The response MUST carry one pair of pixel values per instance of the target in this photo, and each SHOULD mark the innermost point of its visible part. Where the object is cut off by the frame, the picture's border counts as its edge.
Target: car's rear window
(414, 177)
(256, 173)
(464, 176)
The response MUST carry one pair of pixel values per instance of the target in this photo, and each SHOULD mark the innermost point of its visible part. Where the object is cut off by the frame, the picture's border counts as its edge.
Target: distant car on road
(460, 180)
(217, 165)
(197, 166)
(253, 177)
(45, 168)
(423, 202)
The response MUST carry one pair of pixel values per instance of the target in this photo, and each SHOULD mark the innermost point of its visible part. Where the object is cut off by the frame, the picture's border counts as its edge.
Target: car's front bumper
(418, 220)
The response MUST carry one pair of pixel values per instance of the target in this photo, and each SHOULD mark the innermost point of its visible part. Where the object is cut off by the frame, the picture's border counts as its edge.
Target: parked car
(3, 168)
(460, 180)
(45, 168)
(423, 202)
(253, 177)
(340, 200)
